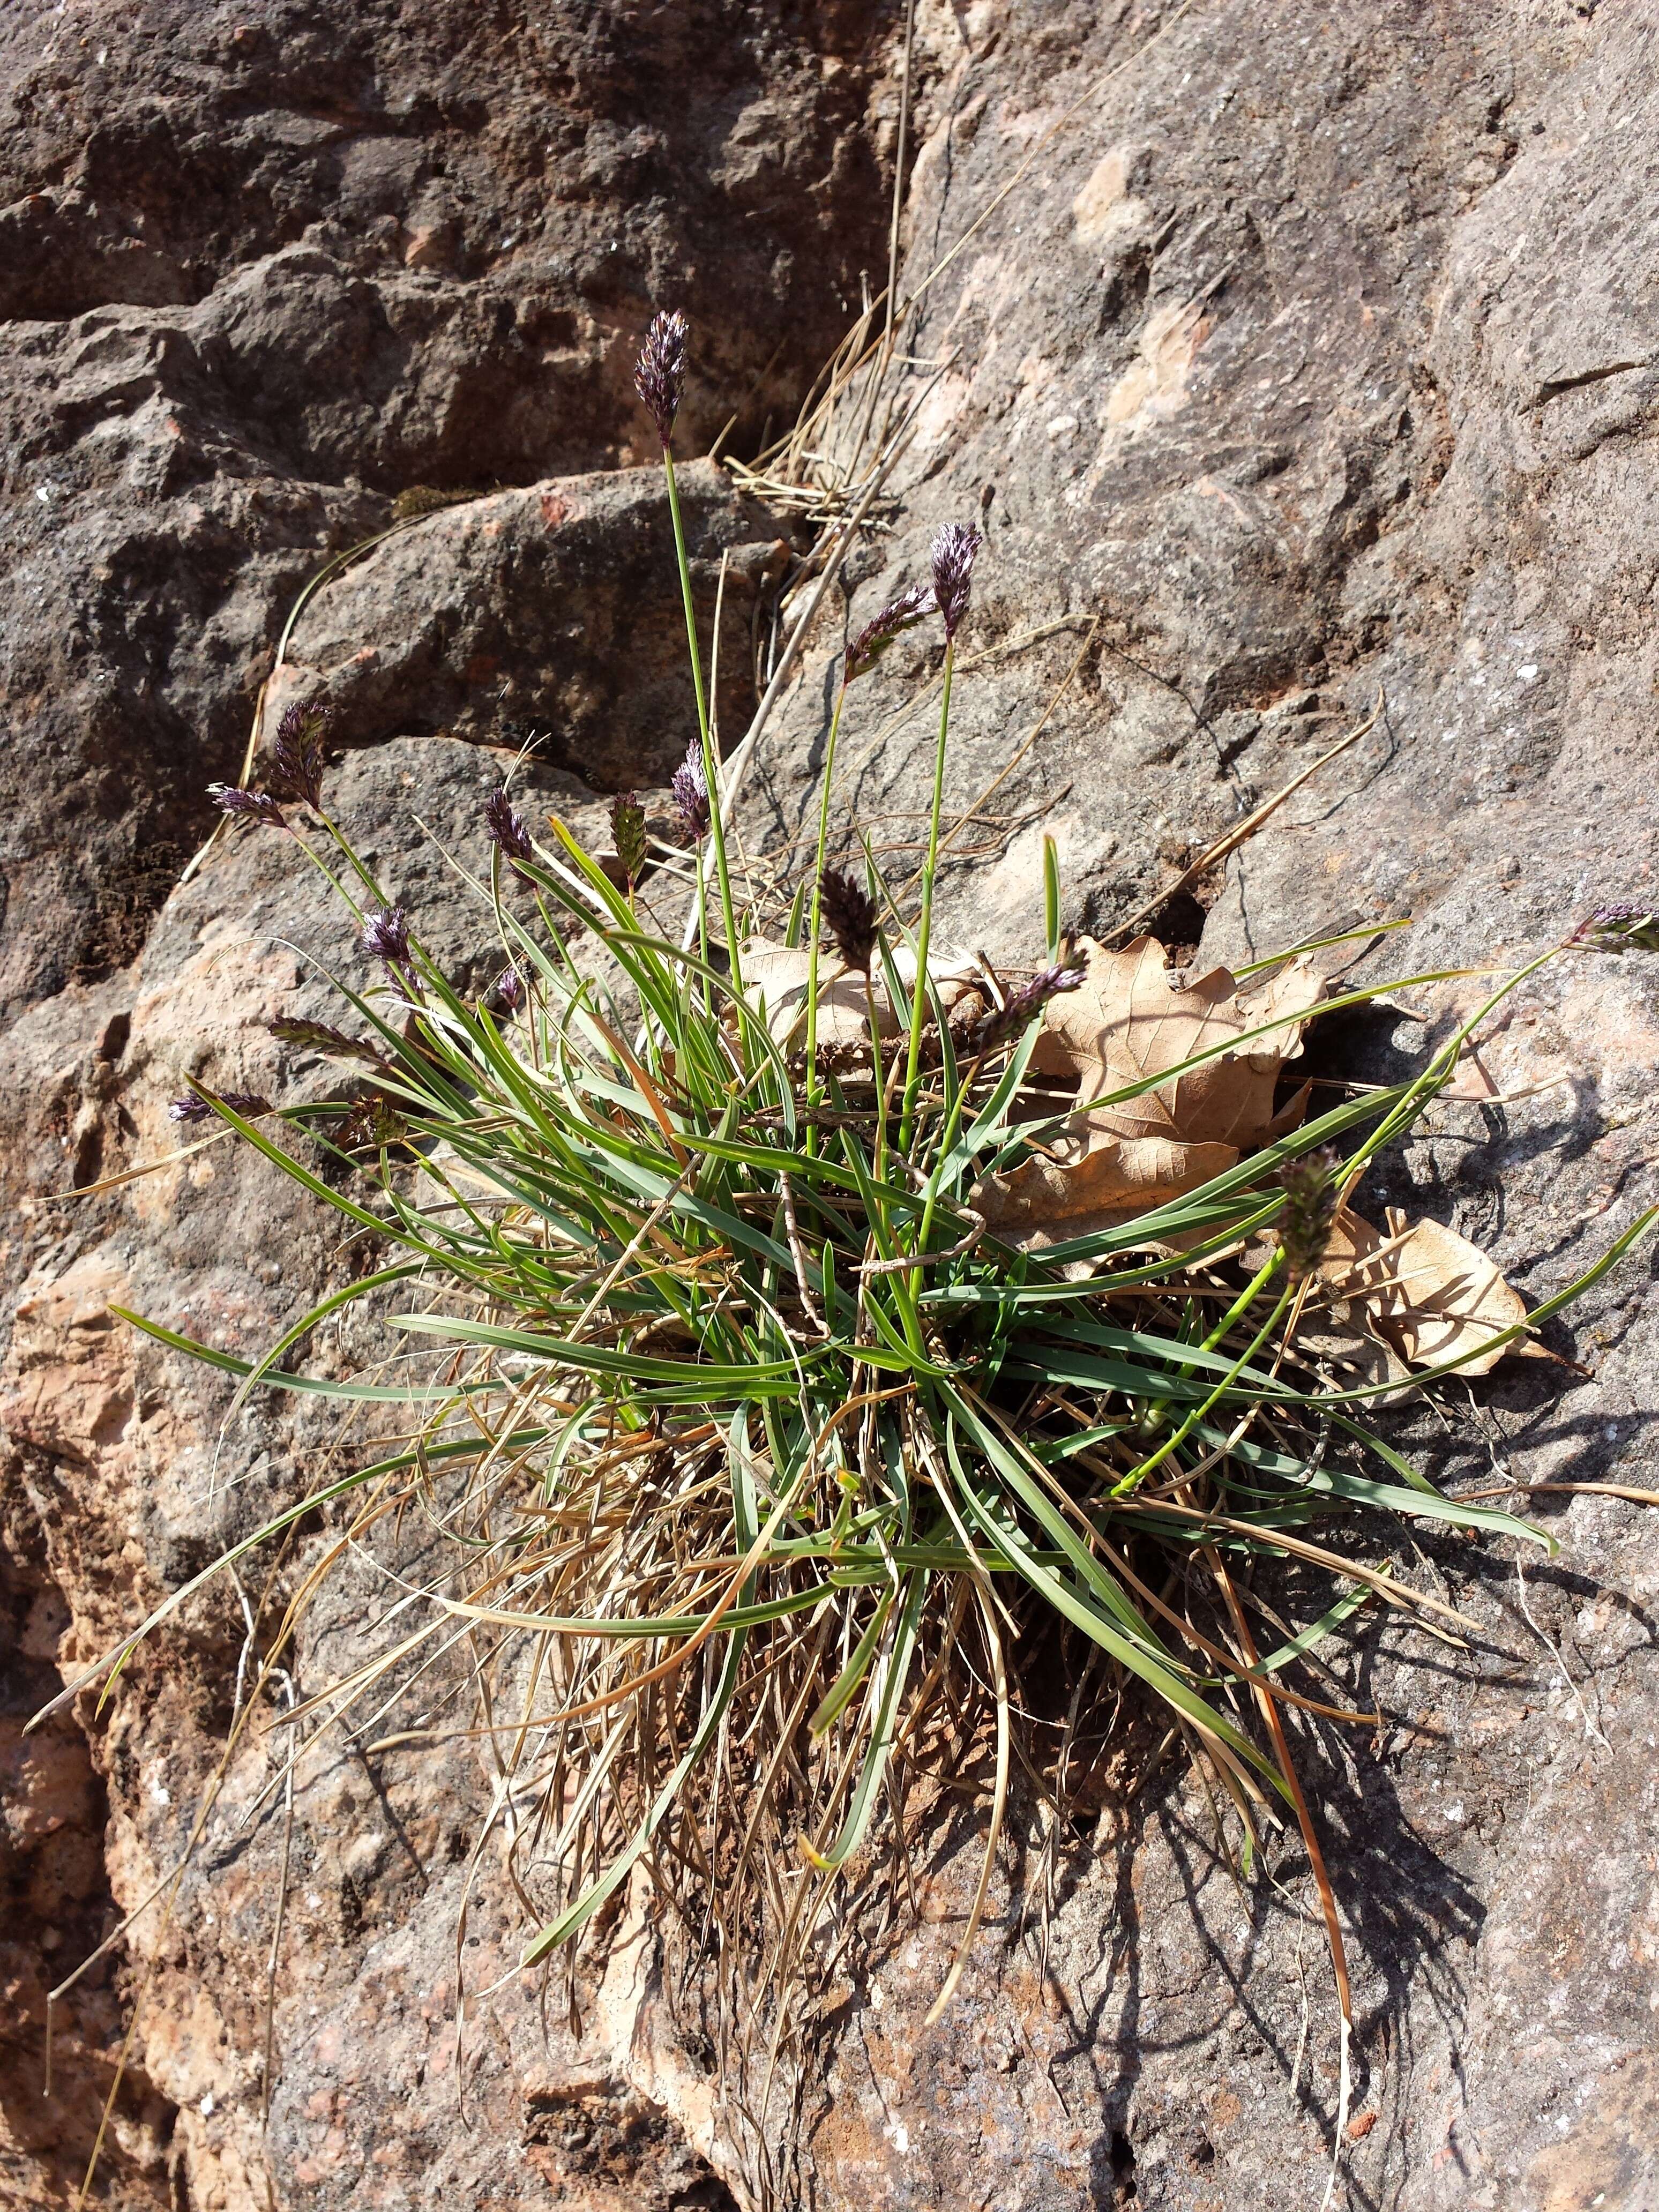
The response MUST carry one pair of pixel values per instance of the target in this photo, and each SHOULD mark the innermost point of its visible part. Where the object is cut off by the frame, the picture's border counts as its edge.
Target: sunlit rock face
(1285, 357)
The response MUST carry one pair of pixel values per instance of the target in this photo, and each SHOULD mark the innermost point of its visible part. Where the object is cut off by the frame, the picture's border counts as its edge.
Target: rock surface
(272, 265)
(1290, 355)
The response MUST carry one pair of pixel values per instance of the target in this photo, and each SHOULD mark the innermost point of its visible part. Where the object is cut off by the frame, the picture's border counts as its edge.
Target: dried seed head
(1009, 1019)
(317, 1036)
(956, 546)
(1620, 927)
(506, 827)
(372, 1123)
(297, 753)
(899, 614)
(628, 833)
(247, 1103)
(848, 915)
(385, 936)
(691, 790)
(659, 372)
(247, 805)
(1309, 1212)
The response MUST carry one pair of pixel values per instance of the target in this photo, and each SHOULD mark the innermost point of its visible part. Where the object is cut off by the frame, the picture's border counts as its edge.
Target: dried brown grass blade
(1594, 1489)
(1241, 832)
(1395, 1593)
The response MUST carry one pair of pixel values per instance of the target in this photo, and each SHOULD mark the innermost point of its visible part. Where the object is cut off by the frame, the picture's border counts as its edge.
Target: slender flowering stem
(298, 758)
(1127, 1485)
(710, 766)
(925, 924)
(985, 1036)
(816, 932)
(684, 565)
(377, 896)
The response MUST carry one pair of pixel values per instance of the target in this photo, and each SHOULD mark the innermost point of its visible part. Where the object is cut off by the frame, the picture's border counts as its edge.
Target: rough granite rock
(544, 610)
(267, 267)
(1298, 354)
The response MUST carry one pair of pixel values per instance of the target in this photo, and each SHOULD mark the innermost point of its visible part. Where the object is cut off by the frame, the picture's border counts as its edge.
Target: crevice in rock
(603, 2136)
(57, 1907)
(1556, 386)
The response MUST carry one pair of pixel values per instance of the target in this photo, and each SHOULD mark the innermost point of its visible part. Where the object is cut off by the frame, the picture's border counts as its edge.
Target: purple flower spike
(385, 937)
(247, 805)
(1620, 927)
(1007, 1021)
(659, 372)
(956, 545)
(247, 1103)
(320, 1036)
(691, 790)
(297, 753)
(1308, 1215)
(848, 915)
(900, 614)
(510, 989)
(507, 827)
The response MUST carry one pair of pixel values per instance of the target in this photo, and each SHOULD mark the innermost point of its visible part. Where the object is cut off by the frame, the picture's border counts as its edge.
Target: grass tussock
(762, 1430)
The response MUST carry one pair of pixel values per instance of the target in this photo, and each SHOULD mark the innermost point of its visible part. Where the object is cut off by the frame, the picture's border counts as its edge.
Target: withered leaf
(1091, 1182)
(1422, 1290)
(1129, 1021)
(1126, 1022)
(775, 980)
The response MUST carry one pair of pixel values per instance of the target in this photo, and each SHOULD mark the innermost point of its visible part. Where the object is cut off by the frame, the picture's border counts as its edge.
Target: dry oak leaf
(775, 980)
(1127, 1021)
(1423, 1291)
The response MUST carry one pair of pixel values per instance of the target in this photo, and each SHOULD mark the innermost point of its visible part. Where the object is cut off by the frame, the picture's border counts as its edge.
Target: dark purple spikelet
(1309, 1214)
(509, 990)
(848, 916)
(628, 833)
(246, 805)
(296, 755)
(1009, 1019)
(659, 372)
(247, 1103)
(956, 547)
(899, 614)
(385, 937)
(319, 1036)
(690, 789)
(1620, 927)
(506, 826)
(371, 1124)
